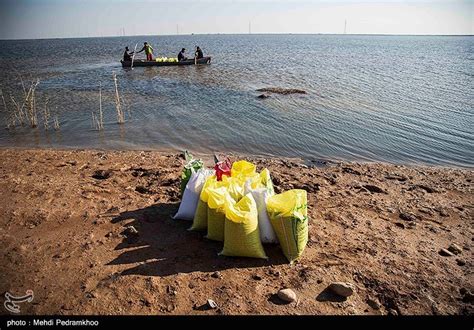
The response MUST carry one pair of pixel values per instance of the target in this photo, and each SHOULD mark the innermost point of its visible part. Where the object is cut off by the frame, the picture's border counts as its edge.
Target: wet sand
(379, 227)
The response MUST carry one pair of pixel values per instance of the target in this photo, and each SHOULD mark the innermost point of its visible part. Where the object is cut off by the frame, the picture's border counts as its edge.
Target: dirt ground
(379, 227)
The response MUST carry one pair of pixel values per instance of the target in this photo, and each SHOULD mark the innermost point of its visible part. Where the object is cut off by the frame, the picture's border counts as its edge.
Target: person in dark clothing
(198, 54)
(126, 55)
(181, 56)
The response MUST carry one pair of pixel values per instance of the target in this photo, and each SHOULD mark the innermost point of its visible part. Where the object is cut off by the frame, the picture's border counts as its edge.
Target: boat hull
(128, 64)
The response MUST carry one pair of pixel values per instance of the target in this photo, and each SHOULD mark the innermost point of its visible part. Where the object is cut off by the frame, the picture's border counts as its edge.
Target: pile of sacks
(236, 205)
(166, 59)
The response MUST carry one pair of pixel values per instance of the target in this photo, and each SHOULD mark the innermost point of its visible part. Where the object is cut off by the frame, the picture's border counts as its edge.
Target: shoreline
(383, 228)
(318, 162)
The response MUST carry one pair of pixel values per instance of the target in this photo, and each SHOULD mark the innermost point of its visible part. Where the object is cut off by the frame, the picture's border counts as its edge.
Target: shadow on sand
(165, 247)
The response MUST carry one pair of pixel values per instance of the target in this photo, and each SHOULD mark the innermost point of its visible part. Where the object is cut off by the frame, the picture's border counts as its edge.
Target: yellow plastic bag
(242, 168)
(242, 237)
(200, 217)
(261, 180)
(235, 186)
(216, 213)
(288, 214)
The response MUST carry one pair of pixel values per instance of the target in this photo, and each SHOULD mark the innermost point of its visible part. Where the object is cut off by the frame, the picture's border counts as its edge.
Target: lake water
(398, 99)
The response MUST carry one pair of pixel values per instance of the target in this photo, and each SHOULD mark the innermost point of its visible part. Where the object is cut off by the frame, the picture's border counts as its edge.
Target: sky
(34, 19)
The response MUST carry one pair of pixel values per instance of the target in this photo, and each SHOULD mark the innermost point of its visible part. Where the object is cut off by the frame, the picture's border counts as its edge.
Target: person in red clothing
(148, 51)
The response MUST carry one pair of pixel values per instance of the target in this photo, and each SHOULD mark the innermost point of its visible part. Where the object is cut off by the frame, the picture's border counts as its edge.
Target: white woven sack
(190, 199)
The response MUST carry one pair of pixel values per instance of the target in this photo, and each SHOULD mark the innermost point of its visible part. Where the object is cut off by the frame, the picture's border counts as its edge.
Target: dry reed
(118, 103)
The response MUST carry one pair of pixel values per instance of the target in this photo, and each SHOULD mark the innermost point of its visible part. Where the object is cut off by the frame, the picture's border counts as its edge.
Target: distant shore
(247, 34)
(402, 235)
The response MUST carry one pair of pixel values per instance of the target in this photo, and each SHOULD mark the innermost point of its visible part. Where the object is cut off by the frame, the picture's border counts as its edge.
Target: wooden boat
(191, 61)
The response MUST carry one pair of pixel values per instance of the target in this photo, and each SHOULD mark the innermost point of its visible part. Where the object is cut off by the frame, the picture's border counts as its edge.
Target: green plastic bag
(288, 214)
(192, 165)
(241, 234)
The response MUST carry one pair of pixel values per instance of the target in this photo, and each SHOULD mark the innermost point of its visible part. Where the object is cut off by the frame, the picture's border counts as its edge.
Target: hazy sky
(81, 18)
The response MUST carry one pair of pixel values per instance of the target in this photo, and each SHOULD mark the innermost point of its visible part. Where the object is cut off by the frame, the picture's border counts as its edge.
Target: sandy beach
(401, 235)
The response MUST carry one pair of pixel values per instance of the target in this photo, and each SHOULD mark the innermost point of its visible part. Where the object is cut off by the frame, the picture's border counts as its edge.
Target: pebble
(287, 295)
(257, 277)
(216, 275)
(454, 248)
(373, 303)
(445, 253)
(342, 289)
(460, 262)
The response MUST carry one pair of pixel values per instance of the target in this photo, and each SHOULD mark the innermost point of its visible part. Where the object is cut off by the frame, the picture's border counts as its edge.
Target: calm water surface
(399, 99)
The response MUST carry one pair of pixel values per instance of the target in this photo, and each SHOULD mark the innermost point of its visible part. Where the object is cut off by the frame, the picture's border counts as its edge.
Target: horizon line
(246, 34)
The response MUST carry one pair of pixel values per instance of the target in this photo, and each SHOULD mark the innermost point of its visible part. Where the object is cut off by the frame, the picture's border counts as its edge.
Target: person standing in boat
(148, 51)
(181, 56)
(198, 54)
(127, 57)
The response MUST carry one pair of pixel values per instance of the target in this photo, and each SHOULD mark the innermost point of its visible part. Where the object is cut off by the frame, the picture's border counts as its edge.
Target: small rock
(109, 234)
(445, 253)
(399, 224)
(373, 303)
(408, 216)
(263, 96)
(460, 262)
(216, 275)
(342, 289)
(287, 295)
(211, 304)
(454, 248)
(257, 277)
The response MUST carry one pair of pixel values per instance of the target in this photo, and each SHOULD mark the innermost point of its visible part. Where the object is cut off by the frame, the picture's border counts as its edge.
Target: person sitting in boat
(181, 56)
(127, 57)
(198, 54)
(148, 51)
